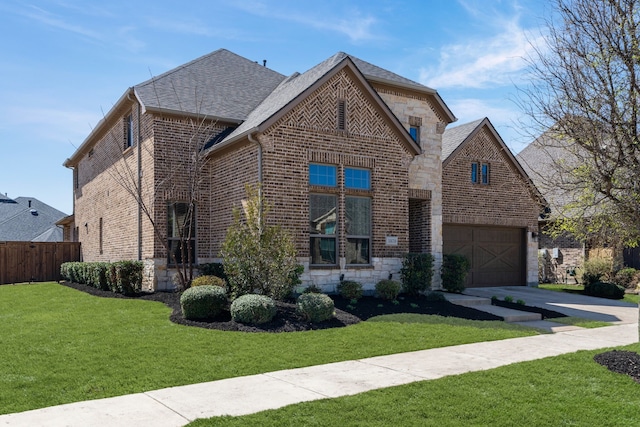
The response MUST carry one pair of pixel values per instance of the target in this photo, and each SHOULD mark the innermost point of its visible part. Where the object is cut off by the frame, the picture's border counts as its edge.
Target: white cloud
(357, 26)
(497, 60)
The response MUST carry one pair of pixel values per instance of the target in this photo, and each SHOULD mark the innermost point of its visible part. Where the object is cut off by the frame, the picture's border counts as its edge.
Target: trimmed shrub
(388, 289)
(350, 290)
(627, 278)
(417, 272)
(98, 275)
(312, 289)
(316, 307)
(128, 276)
(209, 281)
(604, 290)
(213, 269)
(253, 309)
(203, 302)
(454, 272)
(434, 296)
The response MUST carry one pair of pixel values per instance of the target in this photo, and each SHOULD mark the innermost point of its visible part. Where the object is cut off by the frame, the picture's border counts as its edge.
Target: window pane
(357, 251)
(322, 175)
(358, 216)
(322, 214)
(414, 132)
(180, 221)
(177, 250)
(485, 173)
(323, 250)
(474, 172)
(357, 178)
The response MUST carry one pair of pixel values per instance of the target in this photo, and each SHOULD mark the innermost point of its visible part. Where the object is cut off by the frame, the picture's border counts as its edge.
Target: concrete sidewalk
(177, 406)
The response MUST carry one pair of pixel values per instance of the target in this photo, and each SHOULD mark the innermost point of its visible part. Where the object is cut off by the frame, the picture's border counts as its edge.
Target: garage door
(497, 254)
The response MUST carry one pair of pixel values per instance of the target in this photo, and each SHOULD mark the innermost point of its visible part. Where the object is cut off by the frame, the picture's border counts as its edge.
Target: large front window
(181, 233)
(339, 218)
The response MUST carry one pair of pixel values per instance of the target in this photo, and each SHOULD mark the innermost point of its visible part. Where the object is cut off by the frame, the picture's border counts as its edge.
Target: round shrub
(209, 281)
(203, 302)
(388, 289)
(316, 307)
(350, 290)
(627, 278)
(253, 309)
(604, 290)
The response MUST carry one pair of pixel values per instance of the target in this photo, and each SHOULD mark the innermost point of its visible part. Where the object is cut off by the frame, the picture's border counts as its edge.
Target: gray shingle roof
(453, 137)
(220, 85)
(21, 222)
(541, 160)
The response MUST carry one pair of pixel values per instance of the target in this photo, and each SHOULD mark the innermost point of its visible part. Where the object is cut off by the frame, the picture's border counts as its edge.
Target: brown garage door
(496, 253)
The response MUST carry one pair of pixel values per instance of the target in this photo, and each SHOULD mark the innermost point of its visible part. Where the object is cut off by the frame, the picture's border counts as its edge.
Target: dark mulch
(621, 362)
(368, 307)
(287, 320)
(546, 314)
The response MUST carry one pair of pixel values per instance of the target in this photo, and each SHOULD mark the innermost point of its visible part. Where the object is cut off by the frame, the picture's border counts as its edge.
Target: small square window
(325, 175)
(359, 179)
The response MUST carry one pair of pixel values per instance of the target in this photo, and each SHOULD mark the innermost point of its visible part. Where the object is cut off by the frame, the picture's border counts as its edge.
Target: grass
(563, 287)
(60, 345)
(567, 390)
(579, 321)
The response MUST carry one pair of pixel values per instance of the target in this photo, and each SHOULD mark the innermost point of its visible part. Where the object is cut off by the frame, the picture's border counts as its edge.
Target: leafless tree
(585, 93)
(182, 173)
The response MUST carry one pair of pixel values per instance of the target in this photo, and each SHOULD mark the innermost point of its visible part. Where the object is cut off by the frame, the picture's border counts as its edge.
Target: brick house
(348, 154)
(490, 207)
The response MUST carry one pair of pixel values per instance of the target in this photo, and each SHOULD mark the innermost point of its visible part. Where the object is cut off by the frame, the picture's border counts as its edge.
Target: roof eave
(230, 141)
(424, 89)
(88, 141)
(168, 111)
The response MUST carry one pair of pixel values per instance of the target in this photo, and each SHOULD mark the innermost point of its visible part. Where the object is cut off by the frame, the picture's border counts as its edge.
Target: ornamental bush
(213, 269)
(627, 278)
(604, 290)
(128, 276)
(98, 274)
(350, 290)
(203, 302)
(417, 272)
(316, 307)
(454, 272)
(596, 270)
(253, 309)
(388, 289)
(209, 281)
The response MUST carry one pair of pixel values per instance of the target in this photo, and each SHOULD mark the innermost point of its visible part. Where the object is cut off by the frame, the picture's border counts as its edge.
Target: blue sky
(64, 63)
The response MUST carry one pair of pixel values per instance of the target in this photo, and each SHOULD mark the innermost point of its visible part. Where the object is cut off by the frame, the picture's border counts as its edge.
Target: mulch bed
(287, 320)
(621, 362)
(546, 314)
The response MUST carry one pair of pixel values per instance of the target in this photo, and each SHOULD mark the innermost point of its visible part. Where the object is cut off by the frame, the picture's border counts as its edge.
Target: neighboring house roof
(28, 219)
(543, 159)
(454, 139)
(225, 86)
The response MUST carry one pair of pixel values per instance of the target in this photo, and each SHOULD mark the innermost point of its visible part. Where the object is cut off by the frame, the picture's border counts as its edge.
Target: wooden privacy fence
(35, 261)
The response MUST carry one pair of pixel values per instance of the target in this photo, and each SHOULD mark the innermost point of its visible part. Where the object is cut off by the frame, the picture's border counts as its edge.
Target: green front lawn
(60, 345)
(577, 289)
(568, 390)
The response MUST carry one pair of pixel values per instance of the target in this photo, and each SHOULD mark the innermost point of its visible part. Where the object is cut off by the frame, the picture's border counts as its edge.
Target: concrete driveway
(606, 310)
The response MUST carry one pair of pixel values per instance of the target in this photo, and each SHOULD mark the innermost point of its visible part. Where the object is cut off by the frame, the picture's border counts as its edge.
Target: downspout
(139, 177)
(255, 141)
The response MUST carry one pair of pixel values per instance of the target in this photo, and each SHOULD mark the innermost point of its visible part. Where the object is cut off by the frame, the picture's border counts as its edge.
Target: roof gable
(455, 139)
(297, 87)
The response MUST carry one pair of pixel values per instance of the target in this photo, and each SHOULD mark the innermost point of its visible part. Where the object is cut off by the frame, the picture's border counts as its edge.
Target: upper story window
(480, 173)
(359, 179)
(324, 175)
(128, 137)
(415, 133)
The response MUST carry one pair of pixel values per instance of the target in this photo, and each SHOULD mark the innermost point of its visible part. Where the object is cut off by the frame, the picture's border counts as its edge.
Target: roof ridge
(185, 65)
